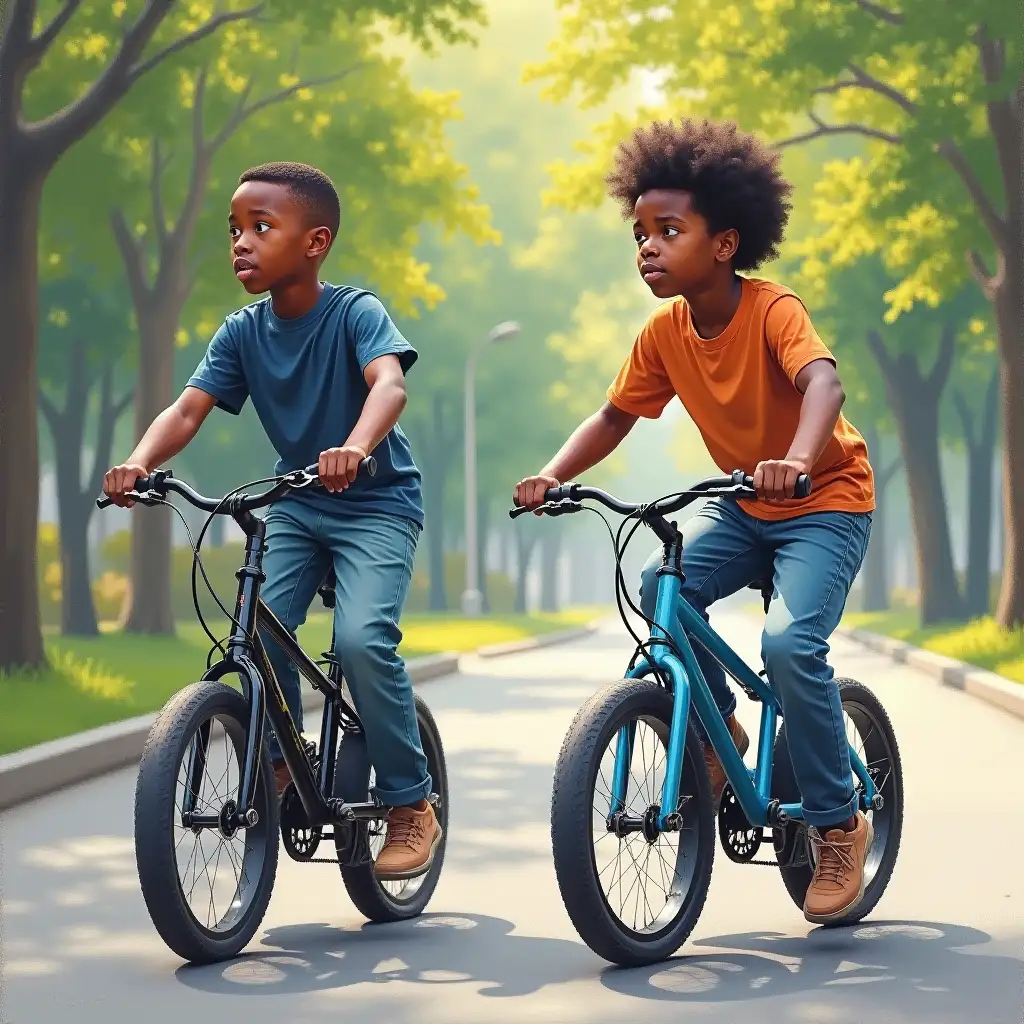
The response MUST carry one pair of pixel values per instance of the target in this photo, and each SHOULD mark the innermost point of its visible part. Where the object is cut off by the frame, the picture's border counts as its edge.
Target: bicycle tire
(156, 819)
(370, 896)
(797, 879)
(575, 777)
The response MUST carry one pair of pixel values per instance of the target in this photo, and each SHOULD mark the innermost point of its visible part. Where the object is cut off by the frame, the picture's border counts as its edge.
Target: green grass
(96, 680)
(980, 642)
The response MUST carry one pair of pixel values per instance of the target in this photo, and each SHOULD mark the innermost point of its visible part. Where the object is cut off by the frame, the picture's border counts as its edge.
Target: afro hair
(734, 179)
(310, 186)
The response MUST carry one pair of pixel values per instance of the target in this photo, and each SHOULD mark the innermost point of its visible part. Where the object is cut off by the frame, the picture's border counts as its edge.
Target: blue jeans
(372, 554)
(812, 561)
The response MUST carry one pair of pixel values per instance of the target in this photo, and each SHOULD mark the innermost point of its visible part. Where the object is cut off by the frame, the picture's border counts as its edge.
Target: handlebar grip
(802, 489)
(367, 466)
(142, 484)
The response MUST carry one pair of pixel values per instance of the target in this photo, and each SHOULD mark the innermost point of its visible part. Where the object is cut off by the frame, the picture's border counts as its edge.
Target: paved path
(946, 945)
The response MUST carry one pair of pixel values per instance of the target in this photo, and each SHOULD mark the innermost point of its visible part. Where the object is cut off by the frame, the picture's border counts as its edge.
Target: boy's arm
(775, 479)
(381, 410)
(167, 435)
(591, 442)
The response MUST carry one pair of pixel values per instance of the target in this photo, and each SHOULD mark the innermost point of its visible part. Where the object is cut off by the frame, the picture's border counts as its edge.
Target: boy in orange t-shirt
(742, 356)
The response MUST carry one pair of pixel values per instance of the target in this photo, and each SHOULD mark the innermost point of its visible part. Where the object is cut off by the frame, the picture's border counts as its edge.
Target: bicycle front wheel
(206, 889)
(634, 898)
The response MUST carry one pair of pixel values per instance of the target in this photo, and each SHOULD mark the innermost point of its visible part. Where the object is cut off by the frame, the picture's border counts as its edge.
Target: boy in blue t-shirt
(325, 369)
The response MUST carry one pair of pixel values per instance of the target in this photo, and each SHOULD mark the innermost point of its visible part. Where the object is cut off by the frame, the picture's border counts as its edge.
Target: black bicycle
(206, 800)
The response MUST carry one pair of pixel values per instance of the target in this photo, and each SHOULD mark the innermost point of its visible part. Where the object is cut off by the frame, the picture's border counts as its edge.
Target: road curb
(957, 675)
(534, 642)
(44, 768)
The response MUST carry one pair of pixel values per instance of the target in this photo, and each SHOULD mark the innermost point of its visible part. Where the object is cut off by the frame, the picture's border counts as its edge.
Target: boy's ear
(728, 243)
(319, 242)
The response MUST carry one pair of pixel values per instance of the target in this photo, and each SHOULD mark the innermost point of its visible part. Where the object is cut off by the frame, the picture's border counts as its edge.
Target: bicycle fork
(668, 818)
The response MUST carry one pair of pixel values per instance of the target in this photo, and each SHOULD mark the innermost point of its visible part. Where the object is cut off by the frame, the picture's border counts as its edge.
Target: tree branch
(882, 13)
(156, 193)
(944, 361)
(109, 413)
(131, 255)
(55, 134)
(987, 281)
(821, 130)
(50, 411)
(878, 350)
(995, 224)
(124, 403)
(243, 112)
(886, 475)
(39, 44)
(206, 29)
(966, 419)
(15, 39)
(863, 80)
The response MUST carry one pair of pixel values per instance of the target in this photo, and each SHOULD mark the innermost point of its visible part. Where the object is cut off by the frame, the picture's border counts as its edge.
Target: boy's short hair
(310, 186)
(734, 179)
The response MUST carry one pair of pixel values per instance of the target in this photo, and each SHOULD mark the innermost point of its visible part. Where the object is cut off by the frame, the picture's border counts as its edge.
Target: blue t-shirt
(305, 378)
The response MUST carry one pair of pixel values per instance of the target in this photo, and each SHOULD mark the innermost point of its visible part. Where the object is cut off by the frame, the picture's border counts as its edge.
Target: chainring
(739, 838)
(300, 839)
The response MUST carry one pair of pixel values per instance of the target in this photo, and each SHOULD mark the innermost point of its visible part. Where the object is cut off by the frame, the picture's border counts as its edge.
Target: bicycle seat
(326, 589)
(766, 589)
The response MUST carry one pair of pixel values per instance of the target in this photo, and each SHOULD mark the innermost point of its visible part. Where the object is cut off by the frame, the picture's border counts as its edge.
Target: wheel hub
(228, 817)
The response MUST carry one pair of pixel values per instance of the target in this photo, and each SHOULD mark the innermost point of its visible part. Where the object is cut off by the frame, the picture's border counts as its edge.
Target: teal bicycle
(632, 819)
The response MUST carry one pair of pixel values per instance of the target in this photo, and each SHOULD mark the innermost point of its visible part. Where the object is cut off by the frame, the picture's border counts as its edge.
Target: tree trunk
(21, 638)
(149, 610)
(1009, 300)
(875, 574)
(67, 428)
(551, 544)
(981, 444)
(915, 399)
(524, 550)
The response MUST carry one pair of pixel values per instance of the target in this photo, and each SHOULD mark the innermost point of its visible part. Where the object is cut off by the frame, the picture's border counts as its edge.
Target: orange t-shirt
(740, 391)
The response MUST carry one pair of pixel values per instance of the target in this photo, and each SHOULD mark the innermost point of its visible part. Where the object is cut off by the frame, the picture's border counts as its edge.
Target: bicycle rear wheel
(871, 735)
(206, 890)
(400, 900)
(634, 898)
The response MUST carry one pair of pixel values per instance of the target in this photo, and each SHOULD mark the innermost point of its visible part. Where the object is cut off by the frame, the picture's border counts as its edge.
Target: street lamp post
(472, 598)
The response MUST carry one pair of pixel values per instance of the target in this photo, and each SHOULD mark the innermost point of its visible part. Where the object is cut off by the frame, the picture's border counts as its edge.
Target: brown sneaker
(413, 836)
(716, 773)
(838, 883)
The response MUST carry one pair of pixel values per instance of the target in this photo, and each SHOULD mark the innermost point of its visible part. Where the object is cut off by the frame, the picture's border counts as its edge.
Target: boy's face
(676, 253)
(272, 243)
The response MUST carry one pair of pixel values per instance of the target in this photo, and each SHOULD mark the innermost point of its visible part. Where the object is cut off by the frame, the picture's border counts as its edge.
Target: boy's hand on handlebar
(775, 479)
(530, 491)
(338, 467)
(117, 482)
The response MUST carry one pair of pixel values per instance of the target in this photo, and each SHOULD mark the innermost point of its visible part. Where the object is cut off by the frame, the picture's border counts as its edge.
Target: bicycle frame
(674, 619)
(247, 658)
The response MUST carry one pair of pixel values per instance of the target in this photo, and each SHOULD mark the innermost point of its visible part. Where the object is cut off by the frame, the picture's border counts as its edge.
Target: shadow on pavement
(897, 967)
(435, 949)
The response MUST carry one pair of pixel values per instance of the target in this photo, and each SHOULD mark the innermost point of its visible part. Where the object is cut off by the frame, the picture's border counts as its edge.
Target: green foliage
(908, 85)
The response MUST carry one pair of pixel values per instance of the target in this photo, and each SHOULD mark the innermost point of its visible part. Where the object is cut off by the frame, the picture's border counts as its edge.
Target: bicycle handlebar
(738, 485)
(156, 485)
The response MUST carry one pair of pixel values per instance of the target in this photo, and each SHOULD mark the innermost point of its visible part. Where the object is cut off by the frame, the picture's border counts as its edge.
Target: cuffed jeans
(812, 561)
(372, 554)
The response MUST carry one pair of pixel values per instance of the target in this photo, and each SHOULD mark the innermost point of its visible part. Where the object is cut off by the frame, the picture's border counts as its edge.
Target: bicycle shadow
(909, 967)
(434, 949)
